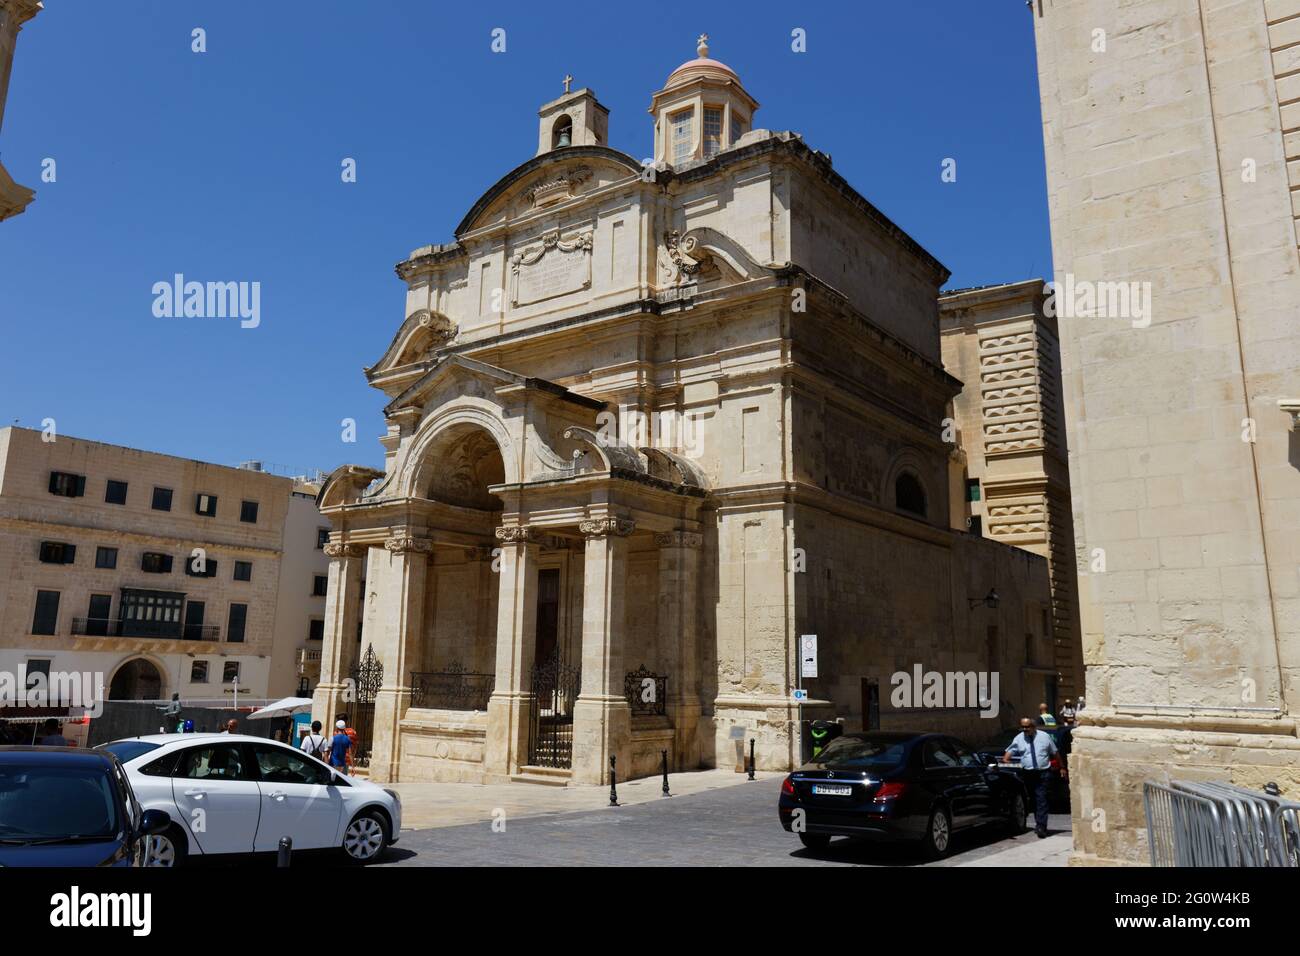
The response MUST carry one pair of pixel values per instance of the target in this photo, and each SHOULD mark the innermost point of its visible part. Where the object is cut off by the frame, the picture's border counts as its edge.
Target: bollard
(286, 848)
(613, 782)
(664, 754)
(751, 758)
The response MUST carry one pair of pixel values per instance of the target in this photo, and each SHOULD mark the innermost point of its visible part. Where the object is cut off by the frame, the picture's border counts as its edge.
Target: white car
(232, 793)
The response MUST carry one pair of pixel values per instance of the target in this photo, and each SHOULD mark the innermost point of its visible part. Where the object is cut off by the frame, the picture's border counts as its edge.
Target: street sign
(808, 655)
(799, 694)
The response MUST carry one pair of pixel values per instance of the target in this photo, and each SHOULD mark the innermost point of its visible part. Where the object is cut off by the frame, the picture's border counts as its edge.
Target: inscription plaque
(556, 267)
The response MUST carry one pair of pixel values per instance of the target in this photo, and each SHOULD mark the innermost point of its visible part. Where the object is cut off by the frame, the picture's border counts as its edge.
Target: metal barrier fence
(1218, 824)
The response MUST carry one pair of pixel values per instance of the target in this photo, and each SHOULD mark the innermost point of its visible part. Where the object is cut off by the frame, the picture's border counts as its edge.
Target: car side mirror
(154, 822)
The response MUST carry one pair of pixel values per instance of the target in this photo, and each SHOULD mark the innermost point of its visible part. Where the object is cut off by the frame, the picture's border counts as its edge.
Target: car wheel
(365, 838)
(815, 841)
(166, 849)
(1018, 818)
(938, 833)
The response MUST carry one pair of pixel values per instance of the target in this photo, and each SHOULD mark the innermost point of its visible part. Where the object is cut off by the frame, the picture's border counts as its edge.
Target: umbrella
(282, 708)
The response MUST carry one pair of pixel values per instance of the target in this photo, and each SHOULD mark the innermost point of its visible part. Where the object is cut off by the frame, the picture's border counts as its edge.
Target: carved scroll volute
(604, 527)
(334, 550)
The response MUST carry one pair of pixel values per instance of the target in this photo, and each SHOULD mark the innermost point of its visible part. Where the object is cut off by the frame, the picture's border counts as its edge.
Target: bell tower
(575, 119)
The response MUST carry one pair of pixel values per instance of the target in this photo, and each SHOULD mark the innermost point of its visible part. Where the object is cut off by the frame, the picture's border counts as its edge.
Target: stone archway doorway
(137, 679)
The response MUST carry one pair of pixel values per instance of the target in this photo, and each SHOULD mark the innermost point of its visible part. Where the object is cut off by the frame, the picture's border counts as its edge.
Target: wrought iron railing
(646, 692)
(451, 689)
(111, 627)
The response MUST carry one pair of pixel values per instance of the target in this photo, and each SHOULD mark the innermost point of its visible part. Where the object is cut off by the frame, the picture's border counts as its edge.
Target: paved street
(727, 826)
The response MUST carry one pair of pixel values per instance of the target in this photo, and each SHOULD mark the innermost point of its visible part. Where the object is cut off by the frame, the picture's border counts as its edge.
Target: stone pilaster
(397, 645)
(602, 719)
(343, 602)
(506, 747)
(679, 565)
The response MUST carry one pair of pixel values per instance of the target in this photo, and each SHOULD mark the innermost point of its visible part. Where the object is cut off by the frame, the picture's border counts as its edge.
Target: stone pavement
(717, 819)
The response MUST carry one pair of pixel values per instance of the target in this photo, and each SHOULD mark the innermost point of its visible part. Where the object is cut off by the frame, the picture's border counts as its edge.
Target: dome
(701, 68)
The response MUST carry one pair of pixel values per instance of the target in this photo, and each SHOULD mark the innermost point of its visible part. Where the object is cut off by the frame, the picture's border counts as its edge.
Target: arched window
(909, 495)
(562, 132)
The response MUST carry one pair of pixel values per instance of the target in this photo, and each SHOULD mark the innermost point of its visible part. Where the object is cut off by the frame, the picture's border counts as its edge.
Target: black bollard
(664, 755)
(286, 848)
(751, 758)
(613, 782)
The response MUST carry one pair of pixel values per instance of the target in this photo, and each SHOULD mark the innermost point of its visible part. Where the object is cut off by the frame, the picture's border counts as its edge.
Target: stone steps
(545, 776)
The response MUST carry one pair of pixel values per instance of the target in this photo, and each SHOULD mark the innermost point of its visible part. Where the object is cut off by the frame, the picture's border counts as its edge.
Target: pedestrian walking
(315, 744)
(53, 735)
(339, 747)
(1045, 716)
(1034, 749)
(231, 727)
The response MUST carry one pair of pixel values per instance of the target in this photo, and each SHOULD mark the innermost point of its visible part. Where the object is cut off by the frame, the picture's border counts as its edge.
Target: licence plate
(832, 790)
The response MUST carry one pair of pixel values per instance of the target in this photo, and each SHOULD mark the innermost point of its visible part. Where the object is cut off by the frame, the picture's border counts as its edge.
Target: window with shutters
(206, 505)
(322, 537)
(205, 568)
(248, 511)
(151, 562)
(115, 492)
(230, 672)
(47, 612)
(319, 585)
(238, 619)
(316, 630)
(162, 499)
(106, 558)
(58, 552)
(67, 485)
(199, 672)
(243, 570)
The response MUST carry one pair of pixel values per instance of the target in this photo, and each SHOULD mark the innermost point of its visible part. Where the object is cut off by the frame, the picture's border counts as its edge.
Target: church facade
(647, 426)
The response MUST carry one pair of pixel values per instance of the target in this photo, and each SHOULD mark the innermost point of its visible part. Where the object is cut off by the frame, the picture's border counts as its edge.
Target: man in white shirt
(1034, 749)
(315, 743)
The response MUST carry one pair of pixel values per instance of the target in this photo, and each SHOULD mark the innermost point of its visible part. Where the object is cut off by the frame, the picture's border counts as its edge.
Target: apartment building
(163, 574)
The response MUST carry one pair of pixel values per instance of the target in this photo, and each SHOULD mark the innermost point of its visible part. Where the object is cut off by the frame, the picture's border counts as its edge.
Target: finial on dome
(702, 45)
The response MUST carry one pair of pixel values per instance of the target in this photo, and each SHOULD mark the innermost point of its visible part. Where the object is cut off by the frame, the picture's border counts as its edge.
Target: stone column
(343, 604)
(602, 719)
(397, 646)
(679, 568)
(506, 747)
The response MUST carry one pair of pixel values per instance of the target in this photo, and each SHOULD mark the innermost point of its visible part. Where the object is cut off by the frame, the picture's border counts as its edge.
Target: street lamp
(989, 600)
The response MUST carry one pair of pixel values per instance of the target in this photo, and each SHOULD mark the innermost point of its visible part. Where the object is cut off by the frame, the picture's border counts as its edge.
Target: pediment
(462, 376)
(548, 180)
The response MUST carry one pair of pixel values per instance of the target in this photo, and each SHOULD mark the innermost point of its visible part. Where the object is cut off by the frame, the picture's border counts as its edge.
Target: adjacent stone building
(647, 426)
(1172, 133)
(163, 574)
(1010, 478)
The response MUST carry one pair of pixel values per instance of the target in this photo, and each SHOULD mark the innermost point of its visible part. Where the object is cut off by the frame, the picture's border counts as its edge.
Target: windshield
(858, 753)
(50, 804)
(127, 750)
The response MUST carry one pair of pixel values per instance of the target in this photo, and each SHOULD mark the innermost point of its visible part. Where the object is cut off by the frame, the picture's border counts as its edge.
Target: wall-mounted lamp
(989, 600)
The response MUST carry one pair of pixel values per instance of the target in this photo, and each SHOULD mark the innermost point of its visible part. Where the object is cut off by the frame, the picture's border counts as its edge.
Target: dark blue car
(61, 806)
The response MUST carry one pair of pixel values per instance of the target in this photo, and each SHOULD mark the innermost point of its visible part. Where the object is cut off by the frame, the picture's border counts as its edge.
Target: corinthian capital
(679, 539)
(333, 550)
(600, 527)
(518, 534)
(403, 544)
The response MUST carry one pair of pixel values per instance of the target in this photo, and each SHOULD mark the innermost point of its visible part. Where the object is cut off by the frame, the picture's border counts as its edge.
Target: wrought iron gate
(367, 677)
(550, 715)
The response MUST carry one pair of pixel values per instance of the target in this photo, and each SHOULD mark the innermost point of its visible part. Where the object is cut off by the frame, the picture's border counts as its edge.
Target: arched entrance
(137, 679)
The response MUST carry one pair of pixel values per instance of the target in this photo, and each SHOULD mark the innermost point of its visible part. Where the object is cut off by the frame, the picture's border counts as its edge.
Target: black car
(899, 786)
(62, 806)
(1058, 780)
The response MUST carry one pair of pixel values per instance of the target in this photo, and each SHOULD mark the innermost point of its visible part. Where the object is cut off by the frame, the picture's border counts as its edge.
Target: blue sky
(225, 165)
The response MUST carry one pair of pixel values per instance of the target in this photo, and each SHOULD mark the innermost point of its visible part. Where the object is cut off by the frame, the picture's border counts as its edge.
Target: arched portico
(478, 563)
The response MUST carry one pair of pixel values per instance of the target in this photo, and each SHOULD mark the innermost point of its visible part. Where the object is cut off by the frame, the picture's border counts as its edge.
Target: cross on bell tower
(567, 80)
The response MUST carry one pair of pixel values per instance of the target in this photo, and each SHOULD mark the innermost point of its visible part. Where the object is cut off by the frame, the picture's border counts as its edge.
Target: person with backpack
(314, 744)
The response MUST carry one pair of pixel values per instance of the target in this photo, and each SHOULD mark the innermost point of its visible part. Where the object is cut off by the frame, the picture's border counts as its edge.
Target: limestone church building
(648, 425)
